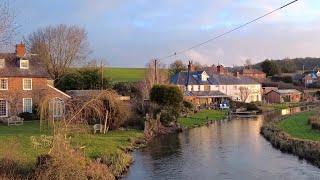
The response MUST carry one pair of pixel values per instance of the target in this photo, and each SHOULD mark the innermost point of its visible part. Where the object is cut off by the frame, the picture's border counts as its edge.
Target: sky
(129, 33)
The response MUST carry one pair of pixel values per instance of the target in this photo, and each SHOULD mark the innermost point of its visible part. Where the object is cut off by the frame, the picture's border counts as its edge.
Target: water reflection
(292, 110)
(224, 150)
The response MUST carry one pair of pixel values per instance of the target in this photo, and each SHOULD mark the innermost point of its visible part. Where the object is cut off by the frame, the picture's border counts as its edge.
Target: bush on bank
(314, 121)
(169, 100)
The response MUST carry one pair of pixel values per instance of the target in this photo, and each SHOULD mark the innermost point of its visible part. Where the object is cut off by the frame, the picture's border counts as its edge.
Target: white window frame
(7, 84)
(7, 108)
(24, 106)
(59, 108)
(2, 63)
(23, 84)
(22, 61)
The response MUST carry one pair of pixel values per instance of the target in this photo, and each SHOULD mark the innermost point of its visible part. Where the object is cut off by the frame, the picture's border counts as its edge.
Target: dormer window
(24, 64)
(2, 63)
(204, 76)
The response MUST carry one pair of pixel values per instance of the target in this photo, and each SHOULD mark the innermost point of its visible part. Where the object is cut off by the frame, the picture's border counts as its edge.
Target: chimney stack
(237, 74)
(20, 50)
(220, 69)
(191, 67)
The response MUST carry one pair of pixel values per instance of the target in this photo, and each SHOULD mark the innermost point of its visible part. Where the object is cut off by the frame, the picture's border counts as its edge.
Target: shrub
(97, 170)
(28, 116)
(82, 79)
(248, 106)
(169, 99)
(62, 163)
(287, 79)
(169, 114)
(314, 121)
(12, 162)
(117, 162)
(128, 89)
(187, 106)
(165, 95)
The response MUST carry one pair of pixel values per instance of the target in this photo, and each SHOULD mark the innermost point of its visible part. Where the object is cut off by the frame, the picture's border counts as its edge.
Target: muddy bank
(305, 149)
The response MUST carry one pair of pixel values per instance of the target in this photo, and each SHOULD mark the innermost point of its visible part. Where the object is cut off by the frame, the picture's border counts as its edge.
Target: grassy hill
(125, 74)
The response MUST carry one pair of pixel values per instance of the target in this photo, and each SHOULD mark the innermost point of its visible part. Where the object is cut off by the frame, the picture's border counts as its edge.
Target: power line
(228, 32)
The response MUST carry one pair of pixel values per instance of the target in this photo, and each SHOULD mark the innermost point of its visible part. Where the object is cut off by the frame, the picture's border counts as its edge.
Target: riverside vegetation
(67, 149)
(16, 145)
(201, 118)
(295, 135)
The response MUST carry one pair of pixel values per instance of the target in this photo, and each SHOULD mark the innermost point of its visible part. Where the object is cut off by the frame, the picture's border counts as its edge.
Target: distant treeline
(291, 65)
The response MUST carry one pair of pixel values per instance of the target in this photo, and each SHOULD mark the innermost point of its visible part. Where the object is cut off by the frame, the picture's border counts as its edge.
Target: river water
(228, 149)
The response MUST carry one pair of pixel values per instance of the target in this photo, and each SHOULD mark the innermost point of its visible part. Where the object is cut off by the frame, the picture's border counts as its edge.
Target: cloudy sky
(131, 32)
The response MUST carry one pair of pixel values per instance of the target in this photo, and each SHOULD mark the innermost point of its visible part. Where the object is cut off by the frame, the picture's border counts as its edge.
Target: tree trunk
(105, 123)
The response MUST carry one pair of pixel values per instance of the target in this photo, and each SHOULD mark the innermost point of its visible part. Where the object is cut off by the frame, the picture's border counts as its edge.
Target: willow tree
(105, 106)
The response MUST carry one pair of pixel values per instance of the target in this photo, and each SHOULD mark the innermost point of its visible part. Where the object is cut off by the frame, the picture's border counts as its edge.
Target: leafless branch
(8, 26)
(59, 47)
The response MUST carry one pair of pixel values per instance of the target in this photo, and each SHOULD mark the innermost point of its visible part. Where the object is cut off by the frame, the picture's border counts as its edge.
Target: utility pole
(101, 66)
(155, 72)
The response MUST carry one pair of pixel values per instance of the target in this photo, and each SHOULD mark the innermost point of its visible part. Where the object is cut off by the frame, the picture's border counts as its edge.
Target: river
(228, 149)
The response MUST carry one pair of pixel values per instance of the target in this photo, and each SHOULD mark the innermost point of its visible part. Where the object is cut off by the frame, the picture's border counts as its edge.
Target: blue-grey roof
(214, 79)
(205, 93)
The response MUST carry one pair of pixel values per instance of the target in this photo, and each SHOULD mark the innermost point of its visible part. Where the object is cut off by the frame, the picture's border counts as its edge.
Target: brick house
(283, 95)
(254, 73)
(24, 81)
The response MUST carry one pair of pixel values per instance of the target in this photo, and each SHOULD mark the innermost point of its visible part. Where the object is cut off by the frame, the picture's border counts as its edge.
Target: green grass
(297, 126)
(279, 106)
(200, 118)
(125, 74)
(17, 139)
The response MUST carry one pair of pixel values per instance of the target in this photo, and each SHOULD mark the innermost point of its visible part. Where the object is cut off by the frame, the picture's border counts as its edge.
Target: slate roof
(91, 93)
(12, 67)
(83, 93)
(214, 79)
(205, 93)
(286, 91)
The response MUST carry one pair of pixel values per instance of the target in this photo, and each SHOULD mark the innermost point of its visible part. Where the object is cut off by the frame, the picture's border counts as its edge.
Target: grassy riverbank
(280, 106)
(201, 118)
(15, 141)
(297, 126)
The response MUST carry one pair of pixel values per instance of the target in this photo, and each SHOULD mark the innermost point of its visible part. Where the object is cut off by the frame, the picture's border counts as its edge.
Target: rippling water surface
(224, 150)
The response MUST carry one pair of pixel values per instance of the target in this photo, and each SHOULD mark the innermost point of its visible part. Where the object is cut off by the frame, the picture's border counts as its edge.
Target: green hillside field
(125, 74)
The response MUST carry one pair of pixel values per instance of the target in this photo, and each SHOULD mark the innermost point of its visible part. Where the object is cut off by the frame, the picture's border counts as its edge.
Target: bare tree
(176, 67)
(197, 66)
(248, 63)
(8, 26)
(59, 47)
(244, 93)
(155, 74)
